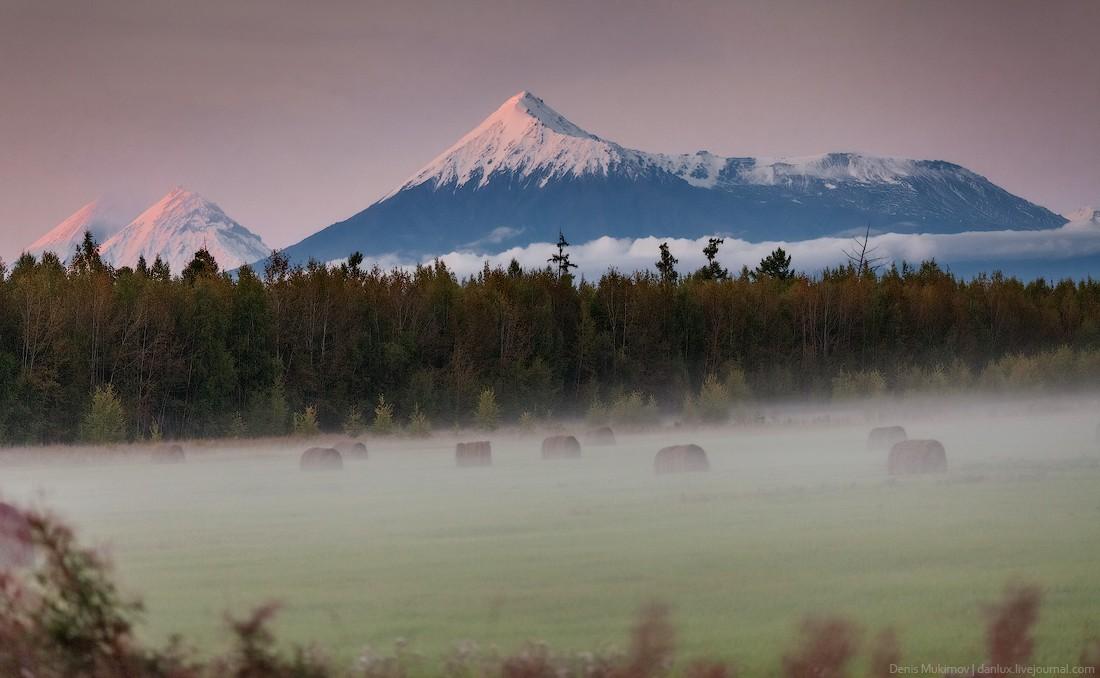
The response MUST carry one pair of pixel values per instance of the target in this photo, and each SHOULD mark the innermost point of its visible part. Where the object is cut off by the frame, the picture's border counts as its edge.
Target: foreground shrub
(652, 645)
(305, 423)
(255, 654)
(1090, 657)
(859, 384)
(952, 378)
(714, 401)
(827, 647)
(633, 410)
(353, 423)
(1008, 634)
(72, 622)
(487, 414)
(384, 423)
(527, 422)
(237, 427)
(885, 655)
(419, 426)
(155, 434)
(105, 421)
(597, 413)
(1056, 369)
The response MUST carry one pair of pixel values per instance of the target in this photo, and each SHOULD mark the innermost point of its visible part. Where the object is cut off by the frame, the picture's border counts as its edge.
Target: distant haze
(294, 115)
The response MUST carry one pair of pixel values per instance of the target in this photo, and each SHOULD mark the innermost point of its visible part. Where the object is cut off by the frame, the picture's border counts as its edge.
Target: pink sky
(292, 115)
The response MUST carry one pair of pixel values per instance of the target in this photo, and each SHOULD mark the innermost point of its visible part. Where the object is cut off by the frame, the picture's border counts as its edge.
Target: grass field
(791, 521)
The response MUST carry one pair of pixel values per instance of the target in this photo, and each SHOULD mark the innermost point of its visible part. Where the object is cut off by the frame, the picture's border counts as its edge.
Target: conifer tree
(666, 265)
(776, 265)
(561, 259)
(713, 270)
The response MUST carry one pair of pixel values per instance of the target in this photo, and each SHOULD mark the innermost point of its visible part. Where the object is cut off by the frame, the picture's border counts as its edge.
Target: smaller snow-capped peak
(177, 226)
(523, 136)
(102, 217)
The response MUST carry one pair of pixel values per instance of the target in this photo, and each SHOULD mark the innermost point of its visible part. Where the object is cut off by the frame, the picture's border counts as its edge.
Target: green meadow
(794, 519)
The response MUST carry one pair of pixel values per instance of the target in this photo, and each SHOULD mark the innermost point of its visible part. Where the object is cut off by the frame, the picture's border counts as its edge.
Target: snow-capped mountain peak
(525, 107)
(523, 136)
(177, 226)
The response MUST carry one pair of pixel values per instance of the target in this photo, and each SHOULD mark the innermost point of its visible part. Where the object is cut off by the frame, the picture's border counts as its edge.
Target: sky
(292, 115)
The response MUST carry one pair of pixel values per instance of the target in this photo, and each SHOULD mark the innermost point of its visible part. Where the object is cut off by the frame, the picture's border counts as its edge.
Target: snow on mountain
(526, 137)
(177, 226)
(526, 171)
(103, 217)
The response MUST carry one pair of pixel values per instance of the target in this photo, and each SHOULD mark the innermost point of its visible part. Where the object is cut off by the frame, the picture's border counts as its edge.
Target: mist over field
(796, 517)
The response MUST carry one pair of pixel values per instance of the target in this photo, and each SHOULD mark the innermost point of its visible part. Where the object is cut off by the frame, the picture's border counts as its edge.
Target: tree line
(203, 353)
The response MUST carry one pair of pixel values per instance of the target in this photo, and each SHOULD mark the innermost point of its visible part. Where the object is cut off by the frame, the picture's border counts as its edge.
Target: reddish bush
(827, 647)
(651, 647)
(16, 549)
(885, 654)
(1008, 631)
(535, 661)
(708, 669)
(1090, 656)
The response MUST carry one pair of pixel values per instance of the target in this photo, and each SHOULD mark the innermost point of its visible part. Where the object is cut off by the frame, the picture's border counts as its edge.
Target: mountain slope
(103, 217)
(178, 225)
(527, 171)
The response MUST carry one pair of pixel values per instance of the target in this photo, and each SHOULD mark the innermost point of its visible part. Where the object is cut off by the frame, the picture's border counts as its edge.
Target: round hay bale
(352, 450)
(600, 436)
(169, 453)
(561, 447)
(681, 459)
(16, 547)
(476, 453)
(321, 459)
(917, 456)
(884, 437)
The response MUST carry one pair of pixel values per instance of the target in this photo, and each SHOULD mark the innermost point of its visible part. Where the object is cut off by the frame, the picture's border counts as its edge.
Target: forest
(88, 352)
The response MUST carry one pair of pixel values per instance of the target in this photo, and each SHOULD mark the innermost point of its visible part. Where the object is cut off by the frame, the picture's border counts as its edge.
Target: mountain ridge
(173, 228)
(526, 171)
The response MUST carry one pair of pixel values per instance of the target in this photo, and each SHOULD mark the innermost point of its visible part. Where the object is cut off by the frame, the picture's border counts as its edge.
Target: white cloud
(494, 237)
(629, 254)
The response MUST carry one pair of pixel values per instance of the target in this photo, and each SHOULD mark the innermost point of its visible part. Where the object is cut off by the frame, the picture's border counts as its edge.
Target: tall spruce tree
(713, 270)
(666, 265)
(561, 259)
